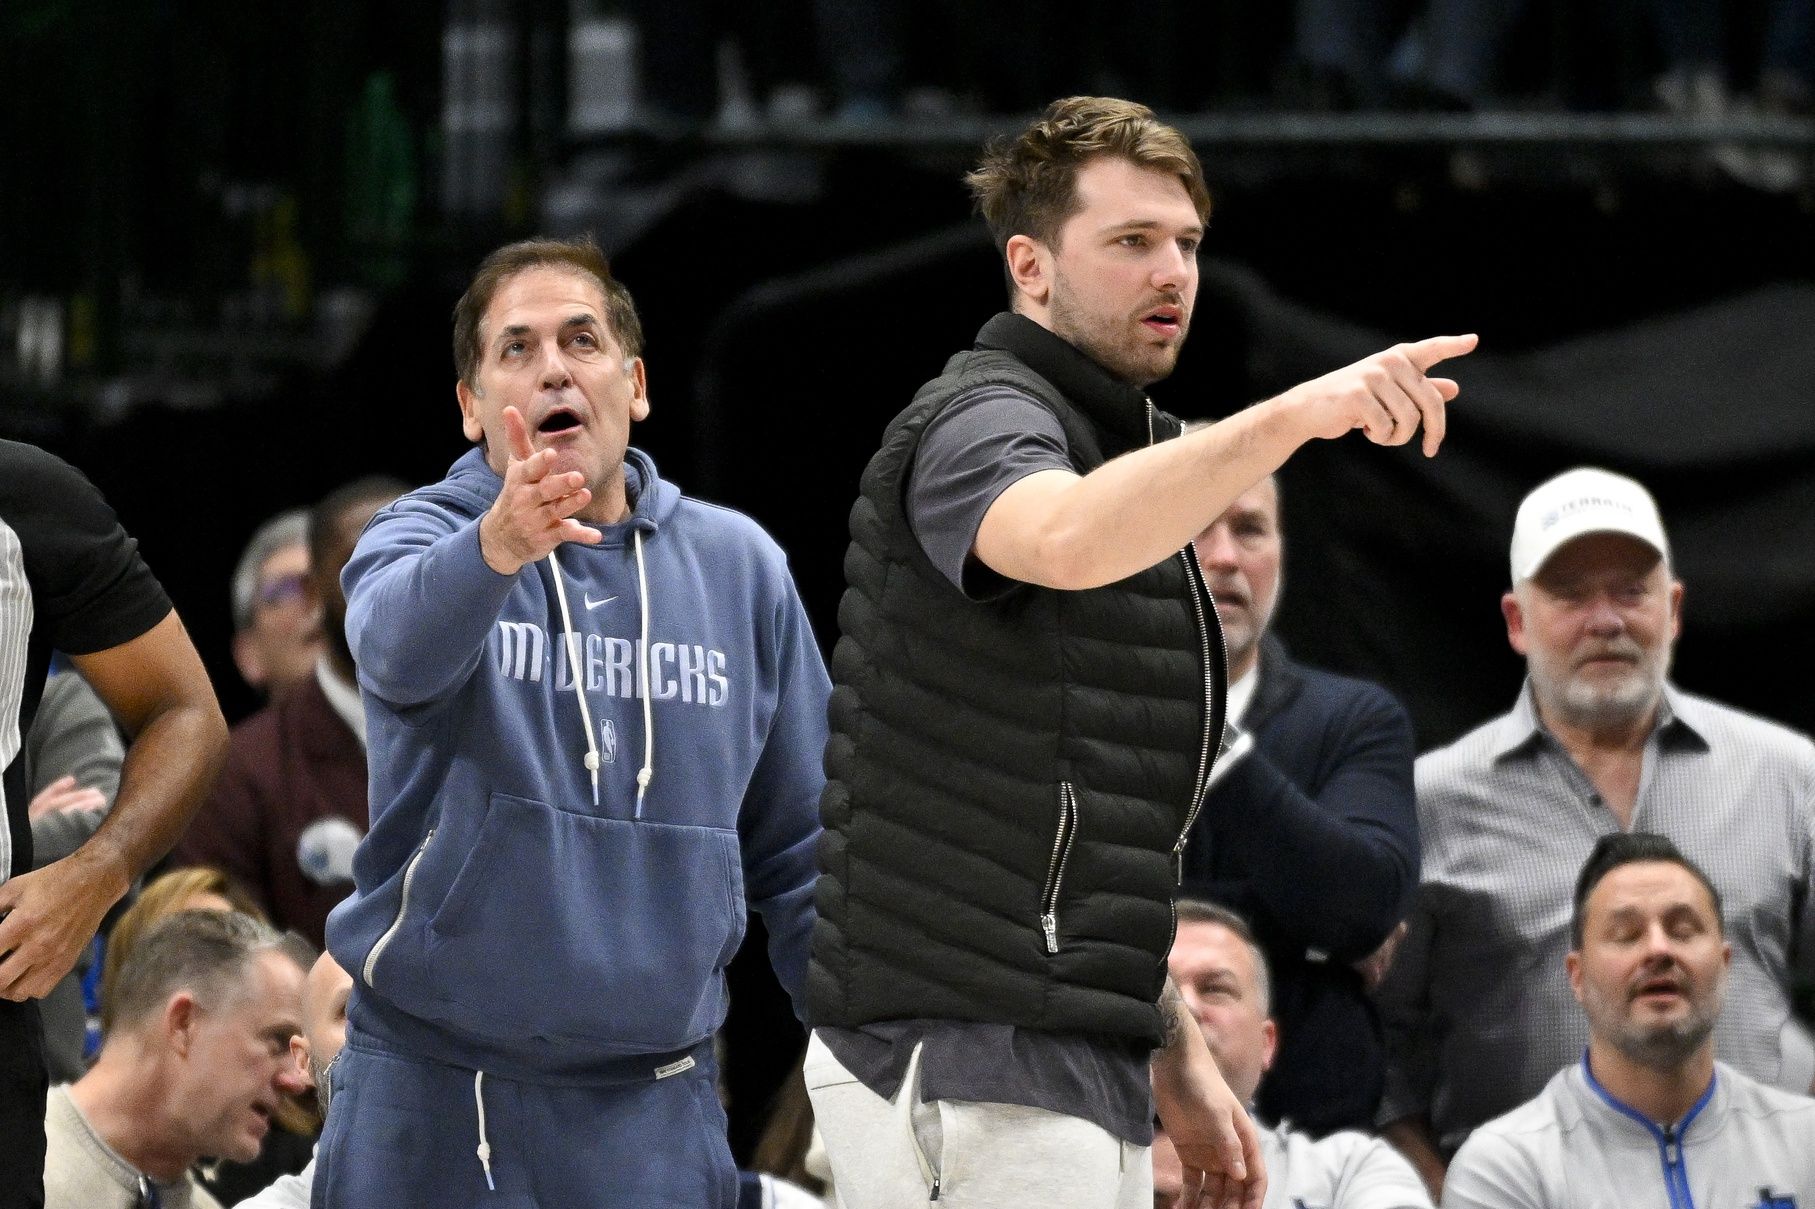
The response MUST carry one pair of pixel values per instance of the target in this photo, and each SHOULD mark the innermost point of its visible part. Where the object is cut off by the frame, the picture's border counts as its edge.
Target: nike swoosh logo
(593, 604)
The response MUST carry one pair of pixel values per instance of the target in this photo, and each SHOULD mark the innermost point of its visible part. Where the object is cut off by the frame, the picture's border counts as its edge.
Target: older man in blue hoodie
(596, 714)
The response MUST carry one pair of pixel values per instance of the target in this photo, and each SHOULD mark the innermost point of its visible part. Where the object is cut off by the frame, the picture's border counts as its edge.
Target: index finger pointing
(1428, 352)
(516, 432)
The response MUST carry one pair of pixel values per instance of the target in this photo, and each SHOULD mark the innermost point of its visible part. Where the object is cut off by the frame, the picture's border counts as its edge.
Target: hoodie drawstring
(579, 681)
(485, 1147)
(646, 773)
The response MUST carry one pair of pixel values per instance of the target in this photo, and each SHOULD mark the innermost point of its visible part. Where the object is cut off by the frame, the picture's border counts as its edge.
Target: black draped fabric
(1396, 564)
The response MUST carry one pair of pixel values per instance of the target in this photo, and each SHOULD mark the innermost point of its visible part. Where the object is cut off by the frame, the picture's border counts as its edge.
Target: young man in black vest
(1029, 695)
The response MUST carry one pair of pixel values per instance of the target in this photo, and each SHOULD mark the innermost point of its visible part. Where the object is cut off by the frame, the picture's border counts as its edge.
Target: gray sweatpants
(955, 1154)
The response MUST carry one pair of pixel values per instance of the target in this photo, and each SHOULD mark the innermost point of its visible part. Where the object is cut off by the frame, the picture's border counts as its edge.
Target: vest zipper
(1055, 868)
(1213, 722)
(403, 905)
(1201, 601)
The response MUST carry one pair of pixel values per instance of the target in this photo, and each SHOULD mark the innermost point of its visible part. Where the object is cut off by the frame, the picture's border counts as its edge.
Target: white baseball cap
(1578, 502)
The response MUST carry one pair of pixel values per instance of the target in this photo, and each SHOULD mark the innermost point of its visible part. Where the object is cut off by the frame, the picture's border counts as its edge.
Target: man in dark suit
(1312, 834)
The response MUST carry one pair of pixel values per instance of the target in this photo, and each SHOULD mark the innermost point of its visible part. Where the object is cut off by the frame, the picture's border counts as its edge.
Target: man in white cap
(1478, 1013)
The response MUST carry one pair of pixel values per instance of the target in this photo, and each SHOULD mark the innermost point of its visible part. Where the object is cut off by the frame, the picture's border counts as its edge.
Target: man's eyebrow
(581, 319)
(1148, 224)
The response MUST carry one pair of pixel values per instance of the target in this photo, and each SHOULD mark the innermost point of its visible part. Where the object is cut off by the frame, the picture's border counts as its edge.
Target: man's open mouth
(559, 420)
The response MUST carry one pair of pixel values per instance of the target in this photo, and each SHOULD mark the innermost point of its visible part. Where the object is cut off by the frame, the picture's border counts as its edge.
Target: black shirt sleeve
(982, 443)
(90, 588)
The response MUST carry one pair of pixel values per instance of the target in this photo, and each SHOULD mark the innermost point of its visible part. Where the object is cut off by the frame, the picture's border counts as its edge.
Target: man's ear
(639, 388)
(1515, 621)
(1030, 268)
(249, 660)
(469, 412)
(181, 1015)
(299, 1054)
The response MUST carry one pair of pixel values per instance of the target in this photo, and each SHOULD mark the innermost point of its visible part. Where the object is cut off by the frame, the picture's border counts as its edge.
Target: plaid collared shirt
(1477, 1007)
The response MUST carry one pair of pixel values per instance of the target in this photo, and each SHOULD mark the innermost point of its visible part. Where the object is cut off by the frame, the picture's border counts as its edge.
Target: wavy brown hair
(1028, 185)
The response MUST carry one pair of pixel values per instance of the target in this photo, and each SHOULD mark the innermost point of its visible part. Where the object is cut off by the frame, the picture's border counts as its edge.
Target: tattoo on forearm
(1173, 1014)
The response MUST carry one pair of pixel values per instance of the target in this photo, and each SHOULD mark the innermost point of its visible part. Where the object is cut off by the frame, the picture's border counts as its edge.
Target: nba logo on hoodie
(608, 741)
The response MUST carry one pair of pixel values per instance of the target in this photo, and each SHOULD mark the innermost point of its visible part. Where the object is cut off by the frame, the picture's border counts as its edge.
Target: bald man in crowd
(1222, 973)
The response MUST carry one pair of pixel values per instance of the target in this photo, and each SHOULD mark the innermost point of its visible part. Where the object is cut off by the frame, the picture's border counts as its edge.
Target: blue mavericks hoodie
(558, 862)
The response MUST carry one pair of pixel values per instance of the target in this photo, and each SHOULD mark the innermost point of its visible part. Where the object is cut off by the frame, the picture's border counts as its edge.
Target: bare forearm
(1183, 1051)
(157, 687)
(167, 771)
(1060, 530)
(1142, 507)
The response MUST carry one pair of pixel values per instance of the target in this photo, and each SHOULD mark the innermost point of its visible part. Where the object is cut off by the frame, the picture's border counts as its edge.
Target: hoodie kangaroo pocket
(565, 925)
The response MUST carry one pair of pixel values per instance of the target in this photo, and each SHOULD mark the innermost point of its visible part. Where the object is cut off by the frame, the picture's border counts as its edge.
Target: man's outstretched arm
(1062, 530)
(156, 686)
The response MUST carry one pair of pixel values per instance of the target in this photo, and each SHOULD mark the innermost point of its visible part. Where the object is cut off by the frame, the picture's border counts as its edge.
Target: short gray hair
(286, 529)
(207, 953)
(1198, 911)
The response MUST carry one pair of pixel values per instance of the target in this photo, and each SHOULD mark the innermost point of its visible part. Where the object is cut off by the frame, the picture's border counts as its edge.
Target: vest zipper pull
(1049, 923)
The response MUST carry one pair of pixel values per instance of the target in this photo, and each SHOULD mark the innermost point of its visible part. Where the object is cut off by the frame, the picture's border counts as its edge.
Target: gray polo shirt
(1477, 1006)
(1743, 1146)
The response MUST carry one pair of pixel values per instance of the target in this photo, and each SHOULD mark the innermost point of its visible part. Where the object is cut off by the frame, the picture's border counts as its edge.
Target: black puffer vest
(1009, 781)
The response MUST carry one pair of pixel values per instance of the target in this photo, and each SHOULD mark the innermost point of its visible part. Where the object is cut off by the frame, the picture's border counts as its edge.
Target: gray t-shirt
(982, 443)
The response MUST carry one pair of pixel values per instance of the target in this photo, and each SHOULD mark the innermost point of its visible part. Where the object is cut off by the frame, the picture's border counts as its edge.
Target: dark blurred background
(233, 238)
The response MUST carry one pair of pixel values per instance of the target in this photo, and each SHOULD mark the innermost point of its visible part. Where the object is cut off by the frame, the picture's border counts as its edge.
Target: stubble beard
(1659, 1047)
(1129, 359)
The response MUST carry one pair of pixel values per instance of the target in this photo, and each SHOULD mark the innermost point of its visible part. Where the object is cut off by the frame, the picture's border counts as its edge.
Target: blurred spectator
(1222, 973)
(276, 638)
(1646, 1116)
(1324, 798)
(196, 1065)
(199, 888)
(290, 806)
(72, 579)
(72, 759)
(1693, 37)
(190, 889)
(681, 43)
(324, 1032)
(860, 46)
(1361, 54)
(1477, 1012)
